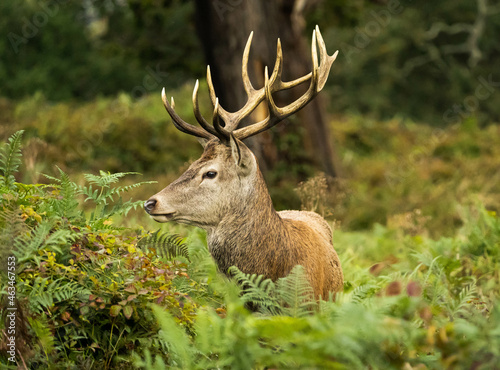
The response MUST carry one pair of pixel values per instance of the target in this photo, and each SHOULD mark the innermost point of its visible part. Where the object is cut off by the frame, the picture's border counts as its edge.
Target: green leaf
(10, 159)
(128, 311)
(115, 310)
(177, 340)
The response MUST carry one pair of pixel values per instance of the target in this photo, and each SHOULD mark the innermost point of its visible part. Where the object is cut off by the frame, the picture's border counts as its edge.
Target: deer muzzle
(150, 206)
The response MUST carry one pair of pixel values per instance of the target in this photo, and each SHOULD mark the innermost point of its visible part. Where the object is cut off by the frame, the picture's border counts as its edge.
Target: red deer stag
(224, 192)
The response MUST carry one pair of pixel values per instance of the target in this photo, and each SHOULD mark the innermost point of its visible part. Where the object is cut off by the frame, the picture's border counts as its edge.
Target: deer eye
(210, 175)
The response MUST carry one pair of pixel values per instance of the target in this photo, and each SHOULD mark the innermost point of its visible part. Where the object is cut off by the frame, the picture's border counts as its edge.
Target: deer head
(226, 179)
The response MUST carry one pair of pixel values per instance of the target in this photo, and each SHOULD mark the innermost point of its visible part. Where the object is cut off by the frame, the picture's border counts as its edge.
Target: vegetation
(84, 285)
(92, 294)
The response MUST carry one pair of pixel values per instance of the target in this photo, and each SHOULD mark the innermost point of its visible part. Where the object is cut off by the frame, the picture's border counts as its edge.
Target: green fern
(296, 293)
(42, 331)
(104, 179)
(104, 212)
(10, 159)
(11, 228)
(27, 245)
(259, 292)
(361, 293)
(292, 295)
(43, 294)
(108, 199)
(67, 205)
(180, 350)
(105, 193)
(148, 363)
(460, 305)
(166, 245)
(103, 197)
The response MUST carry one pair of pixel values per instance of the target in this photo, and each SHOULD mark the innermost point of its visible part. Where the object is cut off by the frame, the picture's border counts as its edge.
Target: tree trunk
(224, 27)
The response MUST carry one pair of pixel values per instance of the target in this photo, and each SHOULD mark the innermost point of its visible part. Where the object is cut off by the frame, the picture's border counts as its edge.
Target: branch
(470, 46)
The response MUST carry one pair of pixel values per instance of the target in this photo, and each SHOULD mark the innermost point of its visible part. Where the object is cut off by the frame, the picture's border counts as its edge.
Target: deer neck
(247, 234)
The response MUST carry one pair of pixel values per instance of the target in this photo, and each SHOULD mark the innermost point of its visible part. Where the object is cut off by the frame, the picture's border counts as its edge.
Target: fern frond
(296, 293)
(52, 178)
(10, 159)
(42, 331)
(120, 208)
(11, 228)
(67, 205)
(148, 362)
(166, 245)
(459, 306)
(106, 194)
(177, 340)
(104, 179)
(257, 291)
(45, 293)
(103, 213)
(27, 245)
(362, 292)
(112, 192)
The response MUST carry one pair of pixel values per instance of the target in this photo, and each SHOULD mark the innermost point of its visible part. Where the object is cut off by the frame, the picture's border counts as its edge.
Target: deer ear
(242, 156)
(202, 141)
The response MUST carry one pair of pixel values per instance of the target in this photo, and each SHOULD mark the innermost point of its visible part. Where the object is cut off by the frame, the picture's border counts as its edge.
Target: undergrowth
(90, 294)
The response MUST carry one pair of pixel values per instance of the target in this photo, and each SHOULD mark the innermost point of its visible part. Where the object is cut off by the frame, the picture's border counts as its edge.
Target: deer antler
(179, 123)
(231, 120)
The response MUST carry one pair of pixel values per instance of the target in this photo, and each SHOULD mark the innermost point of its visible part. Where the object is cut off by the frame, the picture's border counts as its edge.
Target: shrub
(83, 285)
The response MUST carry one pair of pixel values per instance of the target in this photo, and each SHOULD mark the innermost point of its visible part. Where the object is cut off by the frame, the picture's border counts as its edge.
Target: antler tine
(277, 70)
(263, 125)
(211, 89)
(203, 123)
(244, 66)
(222, 134)
(276, 83)
(318, 78)
(179, 123)
(254, 96)
(325, 60)
(225, 115)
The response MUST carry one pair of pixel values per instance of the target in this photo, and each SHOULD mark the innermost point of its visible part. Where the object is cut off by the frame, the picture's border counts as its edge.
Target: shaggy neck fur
(247, 237)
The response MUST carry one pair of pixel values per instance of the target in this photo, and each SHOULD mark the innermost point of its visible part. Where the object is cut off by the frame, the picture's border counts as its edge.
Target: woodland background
(400, 152)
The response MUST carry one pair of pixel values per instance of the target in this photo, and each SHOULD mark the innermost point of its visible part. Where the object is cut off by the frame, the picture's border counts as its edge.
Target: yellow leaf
(430, 334)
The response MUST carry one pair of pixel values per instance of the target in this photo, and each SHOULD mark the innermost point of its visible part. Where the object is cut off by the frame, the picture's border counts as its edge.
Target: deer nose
(149, 205)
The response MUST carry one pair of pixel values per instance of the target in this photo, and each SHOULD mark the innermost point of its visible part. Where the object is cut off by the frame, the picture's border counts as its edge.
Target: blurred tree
(224, 27)
(160, 34)
(95, 47)
(48, 47)
(432, 62)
